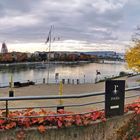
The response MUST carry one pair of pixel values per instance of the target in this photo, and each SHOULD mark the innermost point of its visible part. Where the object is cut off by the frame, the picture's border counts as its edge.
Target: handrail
(132, 88)
(55, 106)
(6, 99)
(60, 97)
(51, 97)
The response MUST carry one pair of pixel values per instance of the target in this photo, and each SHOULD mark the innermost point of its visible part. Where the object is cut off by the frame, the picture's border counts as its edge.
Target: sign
(114, 97)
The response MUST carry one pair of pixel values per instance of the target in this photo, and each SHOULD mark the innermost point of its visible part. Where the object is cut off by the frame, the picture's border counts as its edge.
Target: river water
(85, 72)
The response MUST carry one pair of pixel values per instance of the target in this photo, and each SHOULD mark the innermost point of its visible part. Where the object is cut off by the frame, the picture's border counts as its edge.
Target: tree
(132, 55)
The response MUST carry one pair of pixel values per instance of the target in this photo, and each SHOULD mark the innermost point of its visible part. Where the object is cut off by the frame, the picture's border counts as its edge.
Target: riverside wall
(96, 131)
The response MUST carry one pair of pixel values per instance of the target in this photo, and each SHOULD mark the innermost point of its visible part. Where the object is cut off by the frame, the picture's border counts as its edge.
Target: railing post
(6, 109)
(63, 81)
(43, 80)
(78, 81)
(73, 81)
(84, 79)
(68, 81)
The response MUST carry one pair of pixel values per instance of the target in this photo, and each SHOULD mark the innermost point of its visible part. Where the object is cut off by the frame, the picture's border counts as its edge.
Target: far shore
(6, 65)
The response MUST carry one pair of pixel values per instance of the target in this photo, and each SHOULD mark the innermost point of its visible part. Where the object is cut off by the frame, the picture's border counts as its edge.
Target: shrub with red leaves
(44, 118)
(133, 132)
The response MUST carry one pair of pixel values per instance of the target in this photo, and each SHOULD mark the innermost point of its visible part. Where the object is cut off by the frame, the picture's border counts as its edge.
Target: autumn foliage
(133, 128)
(133, 57)
(47, 118)
(43, 118)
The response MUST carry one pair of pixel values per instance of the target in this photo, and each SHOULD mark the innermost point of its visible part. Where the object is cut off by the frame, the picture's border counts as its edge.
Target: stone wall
(96, 131)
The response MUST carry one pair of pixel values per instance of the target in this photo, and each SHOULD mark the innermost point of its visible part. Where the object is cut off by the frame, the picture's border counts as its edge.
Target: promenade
(53, 89)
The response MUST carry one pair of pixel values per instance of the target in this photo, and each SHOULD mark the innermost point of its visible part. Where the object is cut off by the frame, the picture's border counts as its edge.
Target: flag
(47, 40)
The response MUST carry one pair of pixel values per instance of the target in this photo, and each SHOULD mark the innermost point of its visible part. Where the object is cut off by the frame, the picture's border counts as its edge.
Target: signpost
(114, 97)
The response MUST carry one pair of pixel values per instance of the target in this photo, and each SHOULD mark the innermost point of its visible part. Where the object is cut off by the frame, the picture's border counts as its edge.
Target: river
(85, 72)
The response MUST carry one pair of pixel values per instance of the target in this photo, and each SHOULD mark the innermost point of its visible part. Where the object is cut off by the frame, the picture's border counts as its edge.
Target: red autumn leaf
(78, 120)
(96, 115)
(103, 119)
(87, 115)
(49, 118)
(10, 125)
(42, 128)
(138, 111)
(42, 111)
(40, 120)
(60, 111)
(86, 122)
(2, 127)
(59, 123)
(26, 122)
(2, 122)
(69, 119)
(34, 120)
(60, 118)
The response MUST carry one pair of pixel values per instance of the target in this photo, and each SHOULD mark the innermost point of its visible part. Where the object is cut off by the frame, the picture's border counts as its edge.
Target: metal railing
(53, 97)
(51, 81)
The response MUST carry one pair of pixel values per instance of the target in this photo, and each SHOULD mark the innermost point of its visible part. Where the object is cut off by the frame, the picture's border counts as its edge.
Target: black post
(43, 80)
(60, 107)
(63, 81)
(6, 109)
(11, 93)
(78, 82)
(68, 81)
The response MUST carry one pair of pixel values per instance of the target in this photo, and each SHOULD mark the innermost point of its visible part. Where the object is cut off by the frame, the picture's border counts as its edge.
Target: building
(4, 48)
(104, 54)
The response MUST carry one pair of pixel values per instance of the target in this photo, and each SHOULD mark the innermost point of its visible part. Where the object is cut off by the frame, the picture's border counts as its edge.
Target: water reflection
(65, 72)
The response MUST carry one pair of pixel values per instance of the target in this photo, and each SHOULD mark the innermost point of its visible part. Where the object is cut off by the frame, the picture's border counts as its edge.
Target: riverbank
(30, 64)
(41, 63)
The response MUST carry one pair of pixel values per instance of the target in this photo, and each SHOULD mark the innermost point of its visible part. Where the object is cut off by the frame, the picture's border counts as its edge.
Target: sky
(81, 25)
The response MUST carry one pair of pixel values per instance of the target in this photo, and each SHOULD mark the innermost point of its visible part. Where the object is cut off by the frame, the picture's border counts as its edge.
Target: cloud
(82, 20)
(18, 21)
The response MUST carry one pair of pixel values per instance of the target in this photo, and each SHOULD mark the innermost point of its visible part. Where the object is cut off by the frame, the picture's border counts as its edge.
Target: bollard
(60, 92)
(60, 106)
(78, 82)
(11, 93)
(63, 81)
(72, 81)
(43, 80)
(68, 81)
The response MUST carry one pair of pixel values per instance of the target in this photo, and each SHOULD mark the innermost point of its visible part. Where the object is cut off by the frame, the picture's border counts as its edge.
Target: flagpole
(50, 33)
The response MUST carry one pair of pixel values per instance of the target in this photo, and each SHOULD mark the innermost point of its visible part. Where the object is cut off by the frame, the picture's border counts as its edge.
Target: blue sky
(82, 25)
